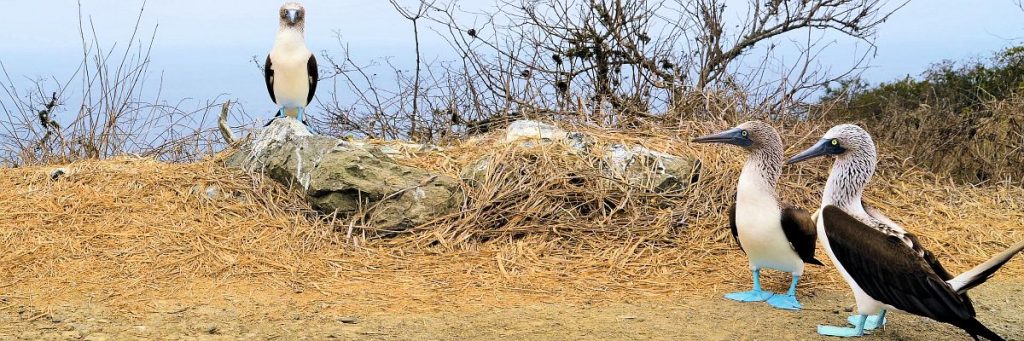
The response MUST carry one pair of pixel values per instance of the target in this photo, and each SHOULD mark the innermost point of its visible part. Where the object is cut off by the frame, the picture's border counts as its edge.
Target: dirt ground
(236, 313)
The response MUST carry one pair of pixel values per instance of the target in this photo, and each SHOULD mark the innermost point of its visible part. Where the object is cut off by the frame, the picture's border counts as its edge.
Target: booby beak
(734, 136)
(822, 148)
(292, 15)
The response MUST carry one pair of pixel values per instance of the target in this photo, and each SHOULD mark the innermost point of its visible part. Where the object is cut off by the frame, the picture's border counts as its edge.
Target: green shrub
(964, 120)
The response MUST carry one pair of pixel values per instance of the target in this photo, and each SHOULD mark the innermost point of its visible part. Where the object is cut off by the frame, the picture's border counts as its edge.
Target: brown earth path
(235, 312)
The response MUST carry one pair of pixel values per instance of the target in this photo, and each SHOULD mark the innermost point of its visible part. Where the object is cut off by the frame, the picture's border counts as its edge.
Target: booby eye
(744, 133)
(835, 142)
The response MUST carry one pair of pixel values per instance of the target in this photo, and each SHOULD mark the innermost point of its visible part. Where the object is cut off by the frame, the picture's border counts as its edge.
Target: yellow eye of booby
(835, 142)
(744, 133)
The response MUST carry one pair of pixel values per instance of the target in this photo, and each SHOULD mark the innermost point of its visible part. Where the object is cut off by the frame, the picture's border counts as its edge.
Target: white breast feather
(759, 227)
(289, 58)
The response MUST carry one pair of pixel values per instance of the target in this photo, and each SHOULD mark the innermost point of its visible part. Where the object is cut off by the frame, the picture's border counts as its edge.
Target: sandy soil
(229, 313)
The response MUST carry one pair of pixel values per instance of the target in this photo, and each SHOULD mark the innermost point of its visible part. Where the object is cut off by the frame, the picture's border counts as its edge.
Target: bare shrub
(119, 110)
(608, 62)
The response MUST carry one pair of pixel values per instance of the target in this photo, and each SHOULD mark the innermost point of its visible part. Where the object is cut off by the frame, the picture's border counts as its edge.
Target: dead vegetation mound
(547, 223)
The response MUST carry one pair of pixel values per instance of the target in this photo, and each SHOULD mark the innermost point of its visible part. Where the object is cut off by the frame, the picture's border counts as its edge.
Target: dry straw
(547, 222)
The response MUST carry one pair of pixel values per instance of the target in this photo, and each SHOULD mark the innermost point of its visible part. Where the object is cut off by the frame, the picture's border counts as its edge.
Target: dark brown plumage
(268, 77)
(314, 77)
(801, 232)
(891, 272)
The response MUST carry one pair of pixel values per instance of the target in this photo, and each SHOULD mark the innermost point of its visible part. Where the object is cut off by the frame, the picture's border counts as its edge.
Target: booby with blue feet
(773, 235)
(290, 70)
(886, 267)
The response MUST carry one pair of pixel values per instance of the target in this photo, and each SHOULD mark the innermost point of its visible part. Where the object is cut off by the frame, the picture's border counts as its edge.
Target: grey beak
(292, 15)
(822, 148)
(732, 136)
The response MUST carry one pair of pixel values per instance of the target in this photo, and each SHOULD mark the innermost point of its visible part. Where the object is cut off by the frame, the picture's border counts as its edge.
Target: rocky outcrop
(348, 178)
(359, 177)
(637, 165)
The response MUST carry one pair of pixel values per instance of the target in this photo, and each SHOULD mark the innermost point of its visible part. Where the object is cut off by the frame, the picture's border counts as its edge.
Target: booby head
(292, 15)
(750, 135)
(842, 141)
(855, 161)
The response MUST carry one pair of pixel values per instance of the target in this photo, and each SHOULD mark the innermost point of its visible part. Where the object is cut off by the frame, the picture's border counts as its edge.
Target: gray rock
(533, 130)
(343, 177)
(638, 166)
(646, 168)
(396, 150)
(476, 172)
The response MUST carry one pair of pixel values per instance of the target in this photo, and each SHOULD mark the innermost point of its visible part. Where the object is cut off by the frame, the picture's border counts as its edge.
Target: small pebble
(848, 309)
(348, 320)
(56, 318)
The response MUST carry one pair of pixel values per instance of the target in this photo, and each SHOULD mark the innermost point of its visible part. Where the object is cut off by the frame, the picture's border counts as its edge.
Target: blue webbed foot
(750, 296)
(856, 330)
(787, 302)
(840, 331)
(871, 323)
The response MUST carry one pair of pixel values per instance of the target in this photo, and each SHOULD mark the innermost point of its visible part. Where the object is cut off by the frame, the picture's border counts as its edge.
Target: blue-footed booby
(773, 235)
(290, 70)
(886, 267)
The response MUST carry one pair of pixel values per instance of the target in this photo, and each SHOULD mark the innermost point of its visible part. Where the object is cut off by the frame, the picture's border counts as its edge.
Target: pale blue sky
(204, 47)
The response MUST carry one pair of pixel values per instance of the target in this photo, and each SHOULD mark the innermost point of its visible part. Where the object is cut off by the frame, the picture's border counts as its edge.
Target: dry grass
(547, 223)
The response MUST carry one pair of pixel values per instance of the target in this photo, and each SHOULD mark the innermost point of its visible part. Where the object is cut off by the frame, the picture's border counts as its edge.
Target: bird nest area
(547, 223)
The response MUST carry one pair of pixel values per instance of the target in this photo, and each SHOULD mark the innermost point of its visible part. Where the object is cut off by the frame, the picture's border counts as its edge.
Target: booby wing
(268, 76)
(891, 272)
(314, 77)
(910, 239)
(801, 232)
(732, 226)
(878, 215)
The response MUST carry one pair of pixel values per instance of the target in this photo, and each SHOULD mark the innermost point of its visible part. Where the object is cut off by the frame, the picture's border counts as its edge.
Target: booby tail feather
(981, 273)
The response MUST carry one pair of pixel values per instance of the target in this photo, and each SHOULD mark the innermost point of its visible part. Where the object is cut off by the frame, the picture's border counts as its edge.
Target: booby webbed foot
(787, 302)
(855, 331)
(755, 295)
(872, 322)
(750, 296)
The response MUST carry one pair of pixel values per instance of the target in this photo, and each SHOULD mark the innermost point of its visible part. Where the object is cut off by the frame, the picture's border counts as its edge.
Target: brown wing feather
(801, 232)
(928, 256)
(268, 76)
(314, 77)
(891, 272)
(732, 226)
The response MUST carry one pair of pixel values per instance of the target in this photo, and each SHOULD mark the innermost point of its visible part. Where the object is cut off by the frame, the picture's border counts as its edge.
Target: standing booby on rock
(886, 267)
(774, 236)
(290, 70)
